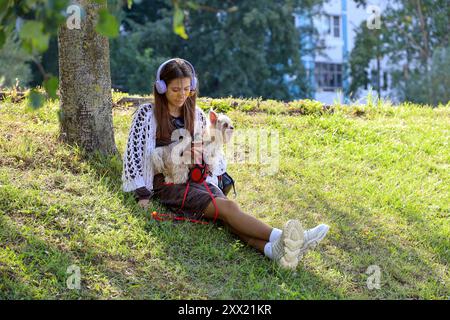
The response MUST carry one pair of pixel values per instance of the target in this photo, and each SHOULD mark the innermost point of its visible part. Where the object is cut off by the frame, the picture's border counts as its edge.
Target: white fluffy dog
(171, 161)
(220, 131)
(168, 160)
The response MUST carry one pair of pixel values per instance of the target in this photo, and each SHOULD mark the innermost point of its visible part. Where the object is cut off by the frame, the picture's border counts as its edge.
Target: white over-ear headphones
(161, 85)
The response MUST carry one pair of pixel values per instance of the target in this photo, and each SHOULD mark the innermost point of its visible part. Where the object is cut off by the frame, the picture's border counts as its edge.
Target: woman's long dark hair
(174, 70)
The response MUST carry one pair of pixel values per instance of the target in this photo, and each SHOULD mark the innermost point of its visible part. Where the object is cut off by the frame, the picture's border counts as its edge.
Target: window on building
(328, 76)
(333, 26)
(336, 26)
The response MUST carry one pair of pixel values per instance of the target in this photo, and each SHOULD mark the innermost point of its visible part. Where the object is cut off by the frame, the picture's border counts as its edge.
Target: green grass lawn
(378, 175)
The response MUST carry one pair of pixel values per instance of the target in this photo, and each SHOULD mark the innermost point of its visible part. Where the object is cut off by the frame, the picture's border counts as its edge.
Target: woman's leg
(240, 223)
(253, 242)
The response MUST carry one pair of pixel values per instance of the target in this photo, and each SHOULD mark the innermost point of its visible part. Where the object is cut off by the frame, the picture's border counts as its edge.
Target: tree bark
(378, 65)
(426, 53)
(85, 85)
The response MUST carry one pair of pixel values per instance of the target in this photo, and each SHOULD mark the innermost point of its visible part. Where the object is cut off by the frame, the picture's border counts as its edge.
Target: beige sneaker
(286, 249)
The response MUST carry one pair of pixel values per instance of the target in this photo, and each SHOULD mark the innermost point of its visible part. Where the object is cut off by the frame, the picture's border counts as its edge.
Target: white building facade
(328, 64)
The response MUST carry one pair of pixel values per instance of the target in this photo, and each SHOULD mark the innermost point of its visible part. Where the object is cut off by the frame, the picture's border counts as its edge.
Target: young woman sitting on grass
(175, 92)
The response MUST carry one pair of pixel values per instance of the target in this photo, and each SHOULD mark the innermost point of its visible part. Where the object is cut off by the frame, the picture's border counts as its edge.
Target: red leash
(197, 174)
(157, 216)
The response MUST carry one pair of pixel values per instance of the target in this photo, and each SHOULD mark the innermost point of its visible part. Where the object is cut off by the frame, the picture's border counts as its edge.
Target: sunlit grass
(378, 175)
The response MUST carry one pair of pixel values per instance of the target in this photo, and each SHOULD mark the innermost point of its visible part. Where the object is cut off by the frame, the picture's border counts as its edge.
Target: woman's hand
(143, 203)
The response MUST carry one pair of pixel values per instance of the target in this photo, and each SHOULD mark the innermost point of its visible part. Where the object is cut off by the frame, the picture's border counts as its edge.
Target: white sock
(275, 234)
(268, 250)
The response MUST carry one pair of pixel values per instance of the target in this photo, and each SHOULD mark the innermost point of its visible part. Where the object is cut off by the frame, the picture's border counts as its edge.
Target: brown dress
(197, 198)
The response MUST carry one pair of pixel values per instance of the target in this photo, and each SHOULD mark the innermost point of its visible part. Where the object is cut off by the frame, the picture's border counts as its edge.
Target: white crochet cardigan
(137, 166)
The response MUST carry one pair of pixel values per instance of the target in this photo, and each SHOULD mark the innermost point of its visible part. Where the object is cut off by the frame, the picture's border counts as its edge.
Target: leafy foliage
(107, 24)
(417, 87)
(244, 48)
(414, 35)
(35, 22)
(367, 47)
(131, 65)
(13, 63)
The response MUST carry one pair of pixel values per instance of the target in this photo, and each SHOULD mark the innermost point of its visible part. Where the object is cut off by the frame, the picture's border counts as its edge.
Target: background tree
(369, 45)
(132, 63)
(415, 35)
(86, 104)
(243, 48)
(84, 70)
(85, 89)
(85, 81)
(13, 63)
(240, 48)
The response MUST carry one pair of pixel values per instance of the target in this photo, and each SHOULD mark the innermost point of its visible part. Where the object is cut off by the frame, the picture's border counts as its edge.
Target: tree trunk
(378, 35)
(85, 85)
(379, 77)
(426, 52)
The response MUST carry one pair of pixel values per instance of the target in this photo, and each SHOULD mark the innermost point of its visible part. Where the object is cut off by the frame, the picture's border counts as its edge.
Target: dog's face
(222, 124)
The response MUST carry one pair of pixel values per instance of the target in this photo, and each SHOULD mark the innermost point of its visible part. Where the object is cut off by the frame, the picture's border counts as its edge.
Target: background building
(327, 62)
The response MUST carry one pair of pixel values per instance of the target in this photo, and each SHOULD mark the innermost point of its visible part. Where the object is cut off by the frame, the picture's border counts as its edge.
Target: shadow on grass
(32, 268)
(210, 259)
(36, 249)
(367, 240)
(206, 262)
